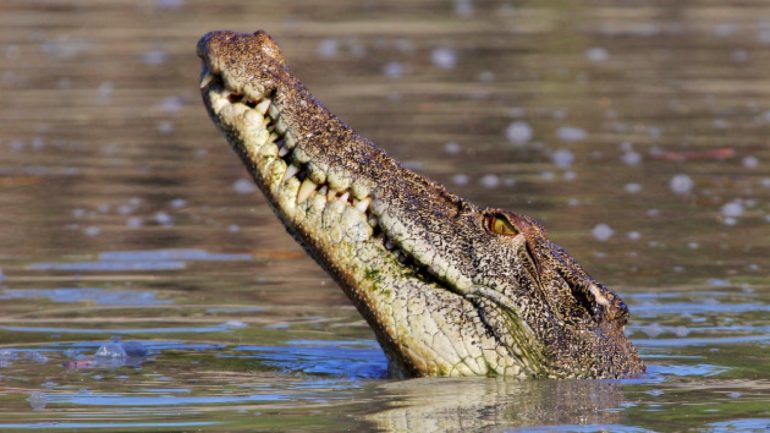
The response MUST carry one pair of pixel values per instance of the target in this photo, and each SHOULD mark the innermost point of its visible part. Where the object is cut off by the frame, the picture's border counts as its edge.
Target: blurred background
(145, 285)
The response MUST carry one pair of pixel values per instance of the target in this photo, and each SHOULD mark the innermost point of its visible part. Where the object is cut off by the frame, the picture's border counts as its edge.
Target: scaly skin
(448, 288)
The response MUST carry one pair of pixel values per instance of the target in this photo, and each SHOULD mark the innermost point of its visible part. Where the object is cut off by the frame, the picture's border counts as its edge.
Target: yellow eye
(500, 225)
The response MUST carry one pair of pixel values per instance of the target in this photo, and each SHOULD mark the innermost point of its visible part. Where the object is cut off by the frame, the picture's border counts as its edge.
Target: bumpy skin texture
(448, 288)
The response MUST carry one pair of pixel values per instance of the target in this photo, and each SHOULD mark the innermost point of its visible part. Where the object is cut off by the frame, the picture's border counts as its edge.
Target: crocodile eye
(500, 225)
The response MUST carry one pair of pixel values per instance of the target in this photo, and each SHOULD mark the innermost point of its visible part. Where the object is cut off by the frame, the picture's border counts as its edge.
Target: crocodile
(448, 287)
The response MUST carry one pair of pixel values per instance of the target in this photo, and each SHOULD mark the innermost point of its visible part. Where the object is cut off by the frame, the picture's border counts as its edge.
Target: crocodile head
(448, 287)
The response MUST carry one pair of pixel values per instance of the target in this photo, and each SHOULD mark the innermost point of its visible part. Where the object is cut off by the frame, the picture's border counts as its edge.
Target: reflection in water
(462, 405)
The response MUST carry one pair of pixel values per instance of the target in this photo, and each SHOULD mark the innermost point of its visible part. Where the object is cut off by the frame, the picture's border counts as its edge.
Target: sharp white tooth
(273, 137)
(290, 142)
(323, 190)
(263, 106)
(331, 195)
(307, 187)
(291, 171)
(363, 205)
(281, 126)
(218, 103)
(283, 151)
(206, 79)
(344, 197)
(273, 111)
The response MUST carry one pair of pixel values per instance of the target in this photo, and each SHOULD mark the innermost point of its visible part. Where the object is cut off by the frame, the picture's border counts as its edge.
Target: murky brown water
(637, 132)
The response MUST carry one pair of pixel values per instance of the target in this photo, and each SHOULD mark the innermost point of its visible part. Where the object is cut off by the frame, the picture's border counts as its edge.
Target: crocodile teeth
(344, 197)
(283, 151)
(263, 106)
(207, 79)
(291, 171)
(307, 187)
(363, 205)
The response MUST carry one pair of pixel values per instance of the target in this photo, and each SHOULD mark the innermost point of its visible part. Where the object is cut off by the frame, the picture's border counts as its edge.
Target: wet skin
(448, 287)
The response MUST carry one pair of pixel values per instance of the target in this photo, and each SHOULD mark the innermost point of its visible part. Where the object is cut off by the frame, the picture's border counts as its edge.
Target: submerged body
(449, 288)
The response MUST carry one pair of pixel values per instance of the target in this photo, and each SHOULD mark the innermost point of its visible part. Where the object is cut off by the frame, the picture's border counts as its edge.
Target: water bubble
(244, 186)
(563, 158)
(328, 48)
(548, 176)
(37, 400)
(178, 203)
(452, 148)
(486, 76)
(172, 104)
(464, 8)
(750, 162)
(235, 324)
(134, 349)
(444, 57)
(134, 222)
(693, 245)
(597, 54)
(519, 132)
(718, 282)
(233, 228)
(634, 235)
(165, 127)
(154, 57)
(163, 218)
(602, 232)
(571, 133)
(632, 188)
(569, 176)
(92, 231)
(489, 181)
(105, 91)
(36, 357)
(460, 179)
(393, 69)
(652, 330)
(110, 351)
(733, 209)
(681, 184)
(631, 158)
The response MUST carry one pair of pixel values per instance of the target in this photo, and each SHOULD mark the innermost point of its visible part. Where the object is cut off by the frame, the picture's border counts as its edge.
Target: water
(145, 286)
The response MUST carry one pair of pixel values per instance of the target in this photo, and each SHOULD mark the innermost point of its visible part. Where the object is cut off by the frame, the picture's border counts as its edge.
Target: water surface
(146, 286)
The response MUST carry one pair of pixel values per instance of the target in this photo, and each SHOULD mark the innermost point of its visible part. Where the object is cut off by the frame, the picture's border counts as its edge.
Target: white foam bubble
(519, 132)
(602, 232)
